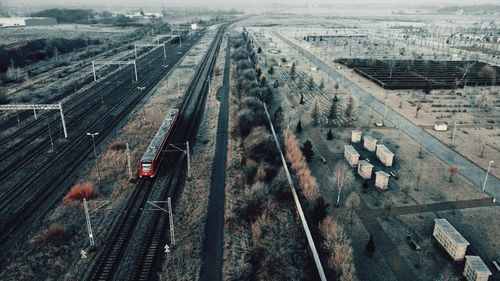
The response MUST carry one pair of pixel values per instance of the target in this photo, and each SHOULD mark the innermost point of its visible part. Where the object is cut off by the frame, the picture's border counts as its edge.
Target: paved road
(211, 269)
(468, 169)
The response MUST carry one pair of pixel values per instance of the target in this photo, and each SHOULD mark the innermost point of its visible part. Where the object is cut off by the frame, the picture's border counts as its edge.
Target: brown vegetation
(339, 246)
(298, 162)
(79, 191)
(54, 233)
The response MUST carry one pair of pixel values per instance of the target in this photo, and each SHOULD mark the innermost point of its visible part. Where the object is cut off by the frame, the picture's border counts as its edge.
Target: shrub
(80, 191)
(260, 145)
(54, 233)
(3, 98)
(248, 119)
(118, 145)
(252, 202)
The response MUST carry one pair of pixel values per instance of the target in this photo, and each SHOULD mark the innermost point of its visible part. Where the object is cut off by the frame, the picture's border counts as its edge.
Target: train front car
(149, 161)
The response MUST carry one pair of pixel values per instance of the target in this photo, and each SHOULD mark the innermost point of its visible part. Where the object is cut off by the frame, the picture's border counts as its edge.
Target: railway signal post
(34, 107)
(157, 207)
(95, 155)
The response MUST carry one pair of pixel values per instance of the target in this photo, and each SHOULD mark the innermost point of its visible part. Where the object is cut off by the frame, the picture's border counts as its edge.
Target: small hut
(382, 179)
(385, 155)
(365, 169)
(475, 269)
(370, 143)
(355, 136)
(451, 240)
(351, 155)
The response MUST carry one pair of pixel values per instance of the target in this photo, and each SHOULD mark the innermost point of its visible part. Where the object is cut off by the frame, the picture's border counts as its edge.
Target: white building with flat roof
(351, 155)
(385, 155)
(26, 21)
(370, 143)
(365, 169)
(382, 179)
(451, 240)
(355, 136)
(475, 269)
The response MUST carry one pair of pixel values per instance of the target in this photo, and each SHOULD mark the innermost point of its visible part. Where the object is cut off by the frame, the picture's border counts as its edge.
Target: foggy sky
(235, 4)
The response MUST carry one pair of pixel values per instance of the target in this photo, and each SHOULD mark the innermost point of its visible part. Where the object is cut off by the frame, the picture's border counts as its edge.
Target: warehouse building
(370, 143)
(385, 155)
(365, 169)
(16, 22)
(451, 240)
(382, 179)
(355, 136)
(475, 269)
(351, 155)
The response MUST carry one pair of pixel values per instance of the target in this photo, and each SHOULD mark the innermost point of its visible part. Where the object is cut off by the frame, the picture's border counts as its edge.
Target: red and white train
(149, 162)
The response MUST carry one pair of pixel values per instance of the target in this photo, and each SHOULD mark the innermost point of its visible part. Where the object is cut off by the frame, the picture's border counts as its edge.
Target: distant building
(451, 240)
(370, 143)
(351, 155)
(385, 155)
(16, 22)
(355, 136)
(475, 269)
(382, 179)
(365, 169)
(441, 126)
(194, 26)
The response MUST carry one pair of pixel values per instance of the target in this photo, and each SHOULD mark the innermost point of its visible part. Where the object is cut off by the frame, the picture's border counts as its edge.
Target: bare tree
(419, 107)
(352, 202)
(343, 176)
(315, 112)
(488, 72)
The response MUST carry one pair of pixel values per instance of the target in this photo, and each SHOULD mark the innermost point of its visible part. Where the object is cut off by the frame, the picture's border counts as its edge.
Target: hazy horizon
(219, 4)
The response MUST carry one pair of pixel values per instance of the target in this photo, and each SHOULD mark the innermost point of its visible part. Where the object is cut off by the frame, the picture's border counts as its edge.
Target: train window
(146, 167)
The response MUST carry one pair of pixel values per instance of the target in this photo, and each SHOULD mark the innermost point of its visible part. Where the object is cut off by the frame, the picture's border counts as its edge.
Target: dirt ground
(184, 262)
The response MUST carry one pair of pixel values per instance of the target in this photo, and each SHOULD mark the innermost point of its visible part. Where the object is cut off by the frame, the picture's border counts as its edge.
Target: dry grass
(81, 190)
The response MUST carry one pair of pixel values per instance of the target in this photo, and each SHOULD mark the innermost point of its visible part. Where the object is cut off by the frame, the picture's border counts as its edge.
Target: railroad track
(133, 252)
(76, 108)
(53, 176)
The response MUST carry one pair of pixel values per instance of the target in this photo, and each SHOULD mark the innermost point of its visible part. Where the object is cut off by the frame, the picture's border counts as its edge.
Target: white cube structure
(451, 240)
(355, 136)
(365, 169)
(382, 179)
(475, 269)
(370, 143)
(385, 155)
(351, 155)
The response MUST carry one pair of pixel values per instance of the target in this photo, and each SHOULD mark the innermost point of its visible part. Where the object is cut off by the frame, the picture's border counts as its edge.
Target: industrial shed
(15, 22)
(355, 136)
(351, 155)
(451, 240)
(475, 269)
(385, 155)
(370, 143)
(365, 169)
(382, 179)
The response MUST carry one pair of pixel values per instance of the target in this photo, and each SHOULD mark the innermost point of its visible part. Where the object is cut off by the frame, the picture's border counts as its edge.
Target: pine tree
(307, 150)
(329, 135)
(310, 84)
(321, 86)
(301, 98)
(349, 109)
(315, 112)
(299, 127)
(271, 70)
(370, 247)
(279, 117)
(332, 114)
(292, 71)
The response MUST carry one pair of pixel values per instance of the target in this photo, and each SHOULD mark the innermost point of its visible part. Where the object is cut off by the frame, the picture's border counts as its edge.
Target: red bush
(80, 191)
(54, 233)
